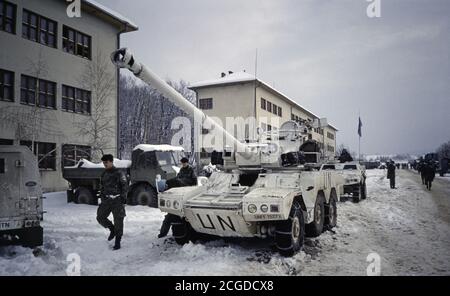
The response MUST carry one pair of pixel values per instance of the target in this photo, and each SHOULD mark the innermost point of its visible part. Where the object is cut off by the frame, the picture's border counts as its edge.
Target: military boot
(117, 243)
(112, 233)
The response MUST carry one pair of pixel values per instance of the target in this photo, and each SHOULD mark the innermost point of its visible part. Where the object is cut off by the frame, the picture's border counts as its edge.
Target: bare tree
(444, 150)
(98, 128)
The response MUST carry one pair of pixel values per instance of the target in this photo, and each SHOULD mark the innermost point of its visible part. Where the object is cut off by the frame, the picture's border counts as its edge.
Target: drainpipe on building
(118, 152)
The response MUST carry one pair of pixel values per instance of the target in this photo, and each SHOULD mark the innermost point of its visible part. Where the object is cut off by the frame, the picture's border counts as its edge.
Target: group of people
(427, 170)
(113, 194)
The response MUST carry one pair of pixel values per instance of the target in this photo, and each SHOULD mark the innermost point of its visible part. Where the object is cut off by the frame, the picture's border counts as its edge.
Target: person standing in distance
(113, 193)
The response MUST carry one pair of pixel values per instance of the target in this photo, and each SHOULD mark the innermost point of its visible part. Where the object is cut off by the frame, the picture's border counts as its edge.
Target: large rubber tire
(32, 237)
(84, 195)
(331, 211)
(315, 228)
(145, 195)
(183, 232)
(290, 234)
(363, 190)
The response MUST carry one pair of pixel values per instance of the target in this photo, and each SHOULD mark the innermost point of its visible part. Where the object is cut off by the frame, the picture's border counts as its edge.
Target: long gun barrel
(123, 58)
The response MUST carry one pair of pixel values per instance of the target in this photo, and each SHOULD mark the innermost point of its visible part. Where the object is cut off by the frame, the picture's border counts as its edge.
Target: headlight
(264, 208)
(168, 204)
(252, 208)
(176, 205)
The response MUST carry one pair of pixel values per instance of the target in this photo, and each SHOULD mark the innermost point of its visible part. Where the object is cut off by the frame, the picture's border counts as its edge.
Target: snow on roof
(242, 77)
(148, 147)
(112, 13)
(84, 163)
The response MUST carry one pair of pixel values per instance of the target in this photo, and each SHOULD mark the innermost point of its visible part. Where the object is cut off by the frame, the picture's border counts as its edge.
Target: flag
(359, 127)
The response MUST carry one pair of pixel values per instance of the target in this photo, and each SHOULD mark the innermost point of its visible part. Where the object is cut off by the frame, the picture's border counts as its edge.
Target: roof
(148, 147)
(244, 77)
(129, 26)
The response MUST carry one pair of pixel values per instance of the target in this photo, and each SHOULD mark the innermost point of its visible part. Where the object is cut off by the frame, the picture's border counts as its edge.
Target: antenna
(256, 63)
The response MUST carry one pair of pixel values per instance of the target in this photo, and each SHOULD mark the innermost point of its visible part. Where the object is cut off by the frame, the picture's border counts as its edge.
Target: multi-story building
(58, 88)
(241, 95)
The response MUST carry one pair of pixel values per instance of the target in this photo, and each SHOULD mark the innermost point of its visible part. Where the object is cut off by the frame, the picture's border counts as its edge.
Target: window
(330, 148)
(71, 154)
(8, 17)
(76, 43)
(280, 112)
(38, 28)
(269, 107)
(6, 142)
(6, 85)
(32, 88)
(330, 135)
(293, 117)
(76, 100)
(2, 165)
(269, 127)
(274, 109)
(263, 104)
(46, 153)
(205, 131)
(206, 104)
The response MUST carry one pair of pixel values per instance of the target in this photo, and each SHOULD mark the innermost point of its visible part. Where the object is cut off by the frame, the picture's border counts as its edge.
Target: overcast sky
(325, 54)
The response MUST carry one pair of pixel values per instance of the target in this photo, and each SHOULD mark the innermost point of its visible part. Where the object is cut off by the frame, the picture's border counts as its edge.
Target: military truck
(21, 209)
(269, 188)
(148, 163)
(353, 177)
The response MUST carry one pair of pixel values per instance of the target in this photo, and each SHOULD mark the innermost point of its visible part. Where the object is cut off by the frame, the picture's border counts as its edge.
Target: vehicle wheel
(363, 191)
(145, 195)
(315, 228)
(32, 237)
(331, 211)
(290, 234)
(183, 232)
(84, 195)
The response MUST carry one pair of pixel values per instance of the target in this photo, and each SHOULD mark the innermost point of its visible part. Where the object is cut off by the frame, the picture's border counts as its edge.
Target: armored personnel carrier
(270, 188)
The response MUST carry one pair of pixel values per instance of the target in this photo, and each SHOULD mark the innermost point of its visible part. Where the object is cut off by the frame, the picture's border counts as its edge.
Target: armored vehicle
(269, 188)
(148, 162)
(353, 177)
(21, 210)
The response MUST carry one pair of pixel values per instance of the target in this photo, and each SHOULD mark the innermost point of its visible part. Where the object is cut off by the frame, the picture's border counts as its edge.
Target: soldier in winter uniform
(391, 173)
(429, 174)
(113, 193)
(186, 177)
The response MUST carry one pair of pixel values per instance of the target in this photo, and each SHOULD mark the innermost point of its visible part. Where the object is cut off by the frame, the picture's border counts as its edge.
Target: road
(408, 228)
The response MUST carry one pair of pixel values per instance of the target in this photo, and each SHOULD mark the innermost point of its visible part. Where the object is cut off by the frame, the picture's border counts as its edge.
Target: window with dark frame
(263, 104)
(205, 104)
(32, 88)
(46, 153)
(8, 15)
(274, 109)
(2, 165)
(269, 106)
(280, 112)
(6, 85)
(6, 142)
(76, 100)
(76, 43)
(72, 154)
(38, 28)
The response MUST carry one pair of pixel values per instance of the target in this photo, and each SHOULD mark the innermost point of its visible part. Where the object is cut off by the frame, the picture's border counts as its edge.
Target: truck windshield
(328, 167)
(350, 167)
(165, 158)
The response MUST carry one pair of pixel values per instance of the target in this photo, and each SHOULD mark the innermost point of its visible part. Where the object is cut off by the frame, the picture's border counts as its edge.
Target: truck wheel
(32, 237)
(331, 211)
(84, 195)
(145, 195)
(290, 234)
(363, 191)
(183, 232)
(315, 228)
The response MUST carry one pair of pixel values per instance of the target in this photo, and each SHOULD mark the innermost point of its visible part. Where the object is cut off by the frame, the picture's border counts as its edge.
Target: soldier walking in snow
(429, 174)
(391, 173)
(113, 193)
(421, 170)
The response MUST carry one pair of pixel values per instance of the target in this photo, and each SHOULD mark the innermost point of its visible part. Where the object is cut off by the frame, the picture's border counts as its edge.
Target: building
(241, 95)
(51, 70)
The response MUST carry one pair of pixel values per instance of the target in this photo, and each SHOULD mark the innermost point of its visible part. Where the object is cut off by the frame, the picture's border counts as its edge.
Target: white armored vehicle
(20, 197)
(268, 189)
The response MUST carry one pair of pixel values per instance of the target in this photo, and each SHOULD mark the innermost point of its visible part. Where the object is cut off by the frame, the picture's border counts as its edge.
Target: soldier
(186, 177)
(429, 173)
(421, 170)
(113, 193)
(391, 173)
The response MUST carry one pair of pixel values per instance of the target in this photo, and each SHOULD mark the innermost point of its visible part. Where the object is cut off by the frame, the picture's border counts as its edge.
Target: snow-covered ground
(408, 227)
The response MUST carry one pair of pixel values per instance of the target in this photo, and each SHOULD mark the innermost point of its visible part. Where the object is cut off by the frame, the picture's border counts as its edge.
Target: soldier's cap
(184, 160)
(108, 157)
